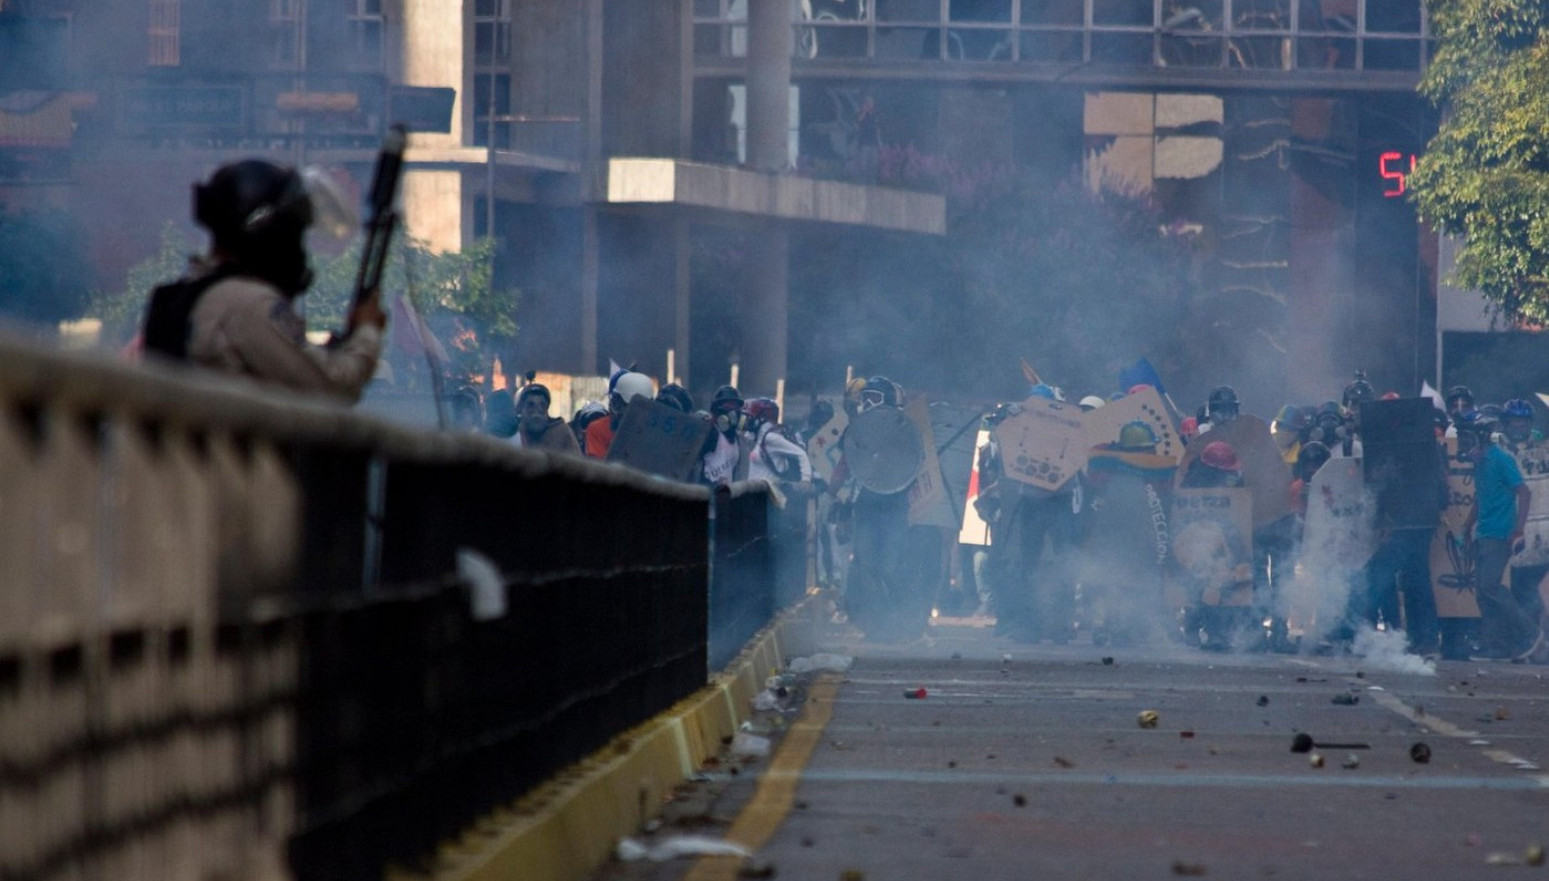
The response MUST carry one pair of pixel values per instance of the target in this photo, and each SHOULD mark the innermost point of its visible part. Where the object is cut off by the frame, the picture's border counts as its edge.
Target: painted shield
(883, 450)
(656, 438)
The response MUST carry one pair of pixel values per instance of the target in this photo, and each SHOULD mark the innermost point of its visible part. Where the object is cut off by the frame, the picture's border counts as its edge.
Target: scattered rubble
(1420, 753)
(1148, 718)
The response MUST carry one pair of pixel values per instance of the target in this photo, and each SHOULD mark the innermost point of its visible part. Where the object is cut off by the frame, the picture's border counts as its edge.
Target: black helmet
(1358, 391)
(257, 212)
(726, 398)
(1223, 402)
(1310, 458)
(1460, 392)
(879, 391)
(676, 397)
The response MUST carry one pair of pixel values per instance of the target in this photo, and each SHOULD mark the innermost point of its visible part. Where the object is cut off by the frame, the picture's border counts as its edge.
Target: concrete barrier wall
(235, 641)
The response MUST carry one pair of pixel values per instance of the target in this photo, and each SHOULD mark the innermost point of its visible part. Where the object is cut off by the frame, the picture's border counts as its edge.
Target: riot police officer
(235, 312)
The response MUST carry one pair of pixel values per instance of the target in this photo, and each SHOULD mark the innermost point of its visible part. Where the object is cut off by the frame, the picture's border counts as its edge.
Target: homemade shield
(823, 447)
(929, 504)
(1212, 547)
(1104, 423)
(1452, 550)
(1044, 444)
(883, 450)
(1400, 456)
(658, 439)
(954, 429)
(974, 530)
(1264, 471)
(1336, 543)
(1535, 472)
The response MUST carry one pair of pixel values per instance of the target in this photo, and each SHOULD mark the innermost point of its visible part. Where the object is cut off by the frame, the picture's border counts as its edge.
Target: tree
(1486, 173)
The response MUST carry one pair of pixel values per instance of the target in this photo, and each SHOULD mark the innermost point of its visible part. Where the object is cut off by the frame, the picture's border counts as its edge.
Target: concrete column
(764, 338)
(682, 249)
(769, 83)
(765, 312)
(589, 247)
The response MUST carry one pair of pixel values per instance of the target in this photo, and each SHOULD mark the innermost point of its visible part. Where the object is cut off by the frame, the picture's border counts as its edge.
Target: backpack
(169, 315)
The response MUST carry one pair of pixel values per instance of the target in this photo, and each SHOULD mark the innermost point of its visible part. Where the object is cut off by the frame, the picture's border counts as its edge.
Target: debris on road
(1189, 870)
(1019, 800)
(630, 851)
(1064, 762)
(1346, 700)
(1315, 760)
(1263, 700)
(1186, 735)
(1502, 714)
(749, 746)
(1351, 762)
(1534, 855)
(915, 694)
(1420, 753)
(1148, 718)
(1301, 743)
(1107, 660)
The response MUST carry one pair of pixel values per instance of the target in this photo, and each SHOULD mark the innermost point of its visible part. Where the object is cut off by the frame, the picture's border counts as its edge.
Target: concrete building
(604, 141)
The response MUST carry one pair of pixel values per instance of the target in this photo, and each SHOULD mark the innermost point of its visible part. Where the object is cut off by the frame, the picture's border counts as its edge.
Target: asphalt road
(1028, 762)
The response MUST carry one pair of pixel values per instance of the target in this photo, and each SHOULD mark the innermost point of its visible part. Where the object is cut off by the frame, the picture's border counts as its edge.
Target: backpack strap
(169, 316)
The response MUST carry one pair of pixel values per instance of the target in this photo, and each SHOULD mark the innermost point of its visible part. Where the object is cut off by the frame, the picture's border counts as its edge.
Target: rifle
(383, 220)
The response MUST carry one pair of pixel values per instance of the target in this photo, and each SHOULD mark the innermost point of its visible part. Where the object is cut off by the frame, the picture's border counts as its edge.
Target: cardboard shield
(655, 438)
(1104, 423)
(1044, 444)
(1452, 551)
(929, 504)
(1337, 540)
(1264, 471)
(1399, 452)
(823, 447)
(1534, 463)
(883, 450)
(1211, 533)
(974, 530)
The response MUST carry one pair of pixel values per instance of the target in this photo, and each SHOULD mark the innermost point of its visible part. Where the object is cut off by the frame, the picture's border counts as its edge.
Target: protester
(726, 452)
(626, 386)
(772, 456)
(1497, 520)
(537, 430)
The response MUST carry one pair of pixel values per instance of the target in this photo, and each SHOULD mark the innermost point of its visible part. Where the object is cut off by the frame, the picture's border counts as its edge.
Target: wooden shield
(954, 429)
(1264, 471)
(1452, 551)
(1399, 452)
(1336, 543)
(823, 447)
(883, 450)
(655, 438)
(1103, 424)
(1211, 533)
(928, 501)
(1044, 444)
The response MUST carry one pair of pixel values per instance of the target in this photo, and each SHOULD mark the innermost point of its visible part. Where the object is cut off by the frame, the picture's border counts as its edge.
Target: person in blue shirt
(1497, 520)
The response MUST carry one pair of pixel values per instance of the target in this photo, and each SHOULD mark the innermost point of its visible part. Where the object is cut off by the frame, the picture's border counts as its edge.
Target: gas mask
(728, 420)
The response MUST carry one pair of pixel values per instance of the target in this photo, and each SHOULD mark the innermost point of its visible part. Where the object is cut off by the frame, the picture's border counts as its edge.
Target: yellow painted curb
(569, 826)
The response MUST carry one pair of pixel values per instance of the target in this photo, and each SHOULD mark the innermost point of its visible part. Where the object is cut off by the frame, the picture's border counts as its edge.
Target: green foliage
(454, 292)
(44, 274)
(1486, 173)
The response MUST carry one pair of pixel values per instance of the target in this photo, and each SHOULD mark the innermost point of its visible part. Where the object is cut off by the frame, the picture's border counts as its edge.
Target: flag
(1141, 373)
(412, 334)
(1435, 396)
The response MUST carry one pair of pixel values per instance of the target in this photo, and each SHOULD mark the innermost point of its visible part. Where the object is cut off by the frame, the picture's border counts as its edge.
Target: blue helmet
(1517, 408)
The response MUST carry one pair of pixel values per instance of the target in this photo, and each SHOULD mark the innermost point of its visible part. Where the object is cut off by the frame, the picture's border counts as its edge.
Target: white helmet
(632, 385)
(1091, 402)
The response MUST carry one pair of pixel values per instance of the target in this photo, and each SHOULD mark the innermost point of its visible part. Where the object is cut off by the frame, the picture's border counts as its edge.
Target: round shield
(884, 450)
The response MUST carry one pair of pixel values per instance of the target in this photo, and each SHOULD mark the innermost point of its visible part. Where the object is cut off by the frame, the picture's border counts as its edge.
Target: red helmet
(761, 410)
(1221, 456)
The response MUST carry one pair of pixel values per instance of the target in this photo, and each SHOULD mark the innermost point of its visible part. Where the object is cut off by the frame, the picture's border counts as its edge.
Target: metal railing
(1284, 35)
(254, 635)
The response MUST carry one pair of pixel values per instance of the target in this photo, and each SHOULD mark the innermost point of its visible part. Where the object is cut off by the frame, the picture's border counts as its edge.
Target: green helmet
(1137, 435)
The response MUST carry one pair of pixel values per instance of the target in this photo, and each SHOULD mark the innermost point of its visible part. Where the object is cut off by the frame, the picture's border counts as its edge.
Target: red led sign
(1391, 166)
